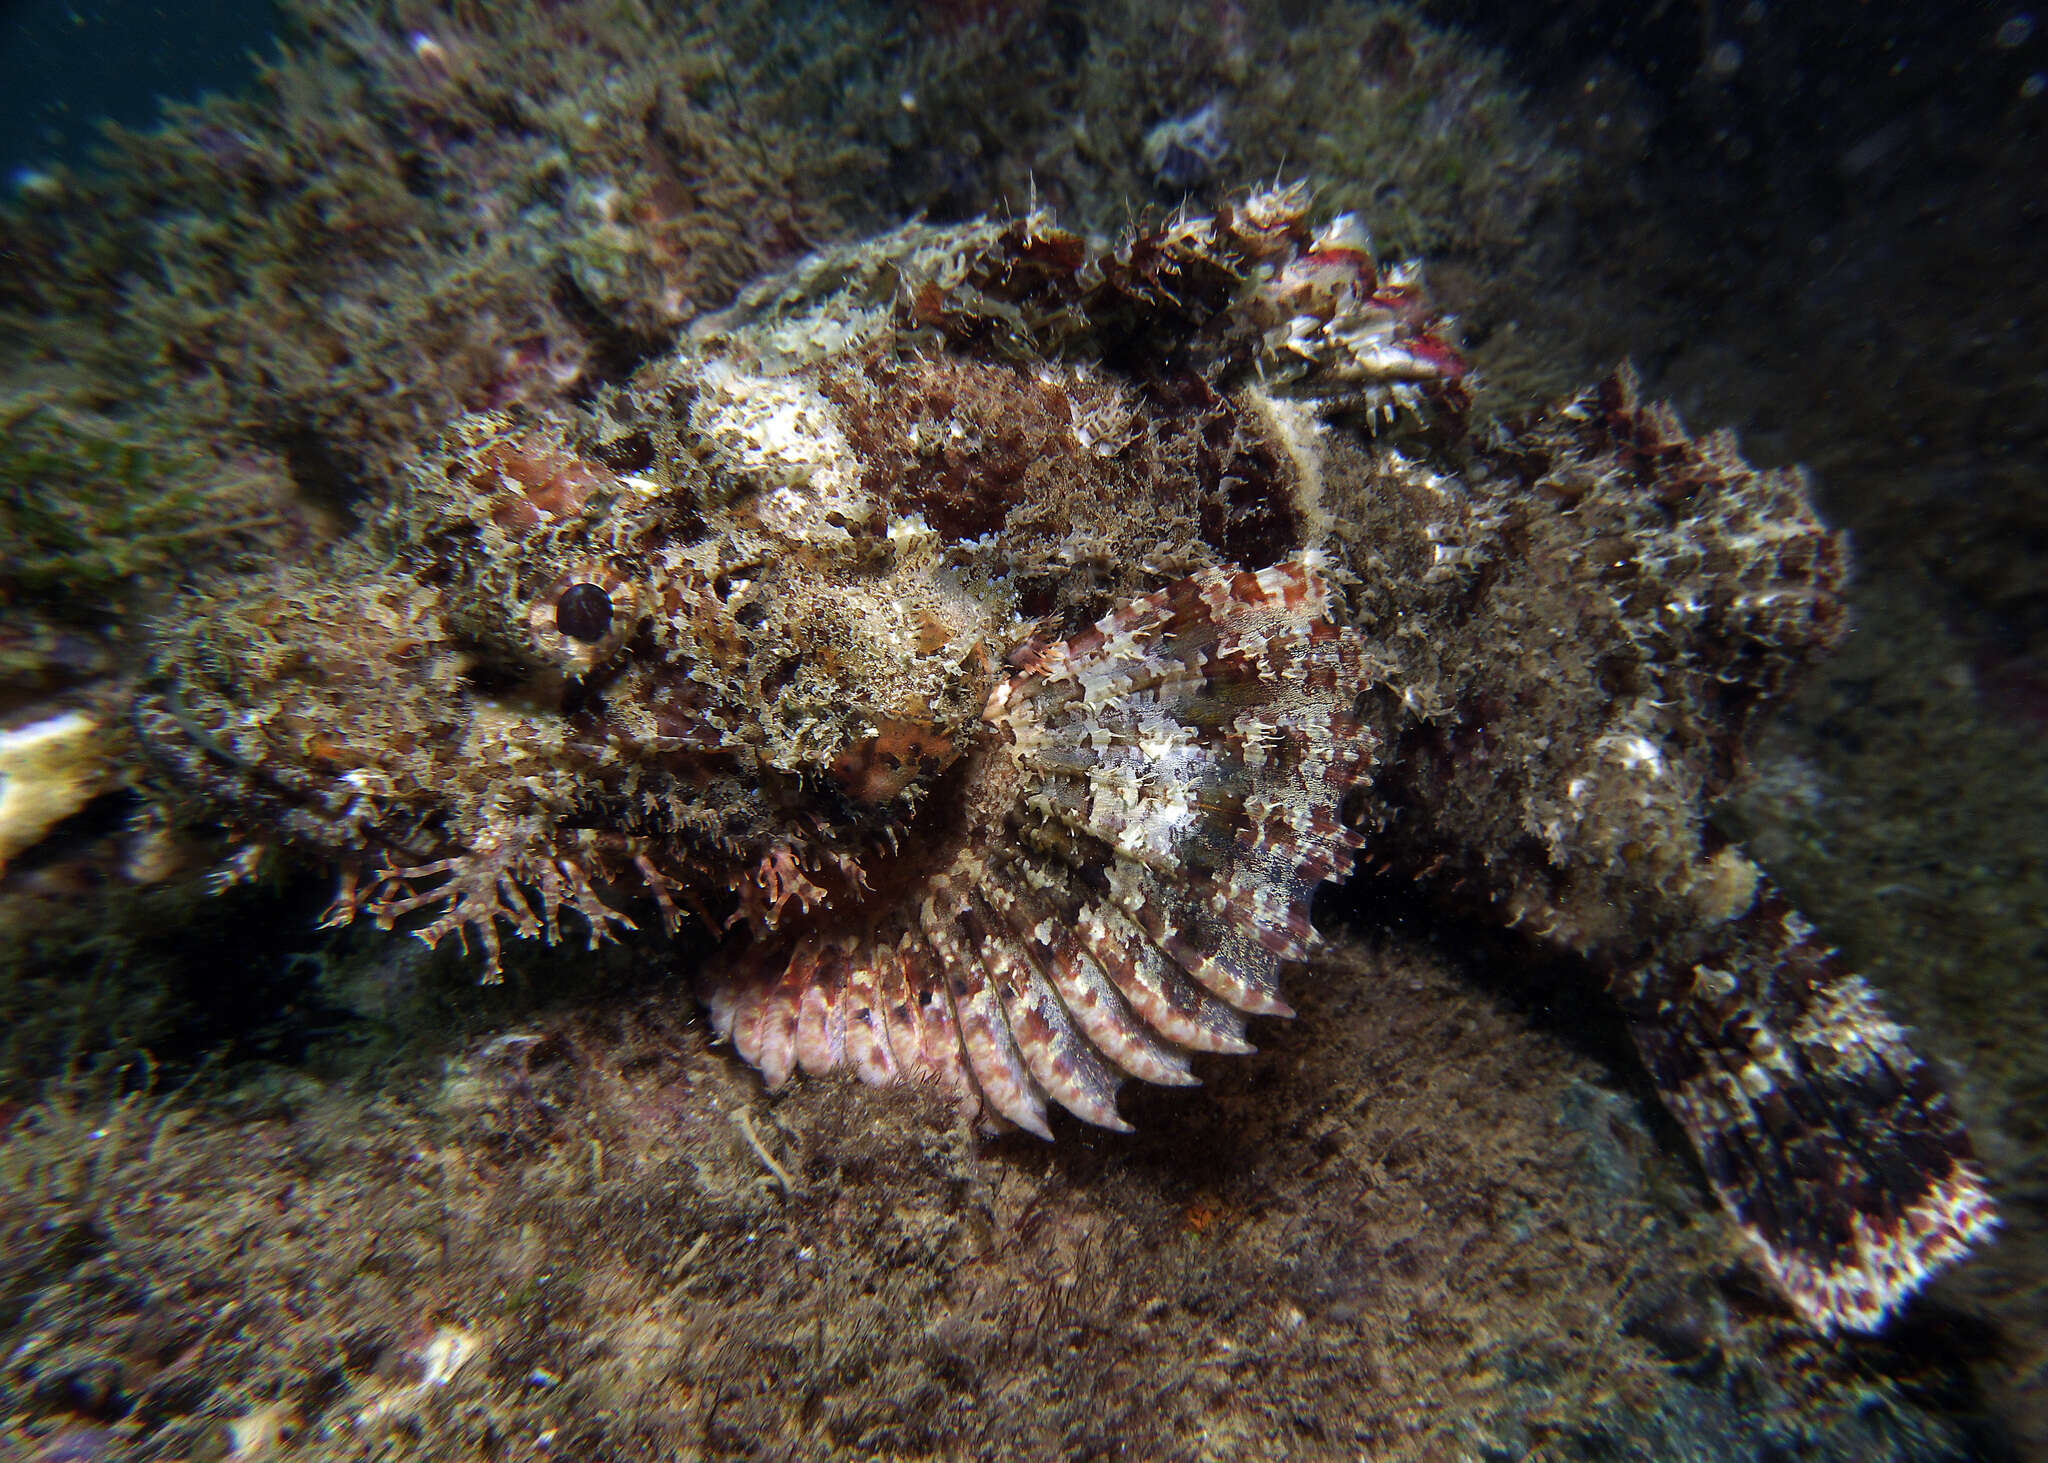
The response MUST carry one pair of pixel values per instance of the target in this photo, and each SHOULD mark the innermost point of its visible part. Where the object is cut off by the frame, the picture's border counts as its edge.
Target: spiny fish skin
(977, 645)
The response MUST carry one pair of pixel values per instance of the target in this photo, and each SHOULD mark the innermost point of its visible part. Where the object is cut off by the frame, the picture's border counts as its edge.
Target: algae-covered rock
(380, 396)
(1417, 1226)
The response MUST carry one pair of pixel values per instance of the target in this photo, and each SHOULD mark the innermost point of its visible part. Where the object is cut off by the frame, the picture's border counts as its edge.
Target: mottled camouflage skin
(982, 643)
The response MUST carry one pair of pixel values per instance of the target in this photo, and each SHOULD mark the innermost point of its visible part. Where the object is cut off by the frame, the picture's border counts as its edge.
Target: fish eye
(581, 619)
(583, 612)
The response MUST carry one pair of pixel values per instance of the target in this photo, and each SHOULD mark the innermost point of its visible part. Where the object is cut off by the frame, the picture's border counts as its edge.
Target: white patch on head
(782, 434)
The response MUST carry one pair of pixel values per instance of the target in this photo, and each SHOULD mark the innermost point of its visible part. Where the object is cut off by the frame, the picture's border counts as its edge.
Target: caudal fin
(1830, 1142)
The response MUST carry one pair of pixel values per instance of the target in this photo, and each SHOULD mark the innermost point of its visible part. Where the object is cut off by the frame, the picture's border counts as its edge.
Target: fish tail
(1827, 1138)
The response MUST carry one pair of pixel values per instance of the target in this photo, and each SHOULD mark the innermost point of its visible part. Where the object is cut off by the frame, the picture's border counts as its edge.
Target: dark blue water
(64, 68)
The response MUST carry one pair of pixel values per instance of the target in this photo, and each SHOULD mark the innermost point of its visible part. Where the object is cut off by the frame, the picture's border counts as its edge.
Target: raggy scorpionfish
(992, 640)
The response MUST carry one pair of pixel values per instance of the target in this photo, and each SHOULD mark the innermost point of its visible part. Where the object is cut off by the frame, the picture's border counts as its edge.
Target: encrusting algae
(977, 645)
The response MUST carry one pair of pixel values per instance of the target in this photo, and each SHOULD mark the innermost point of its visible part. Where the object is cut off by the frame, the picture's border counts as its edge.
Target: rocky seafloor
(1419, 1224)
(273, 1192)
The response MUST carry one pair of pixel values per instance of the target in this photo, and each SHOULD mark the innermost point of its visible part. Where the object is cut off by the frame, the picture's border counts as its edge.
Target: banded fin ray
(1157, 802)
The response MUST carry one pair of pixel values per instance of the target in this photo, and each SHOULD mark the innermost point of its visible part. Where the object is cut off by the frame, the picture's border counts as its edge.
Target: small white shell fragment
(49, 769)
